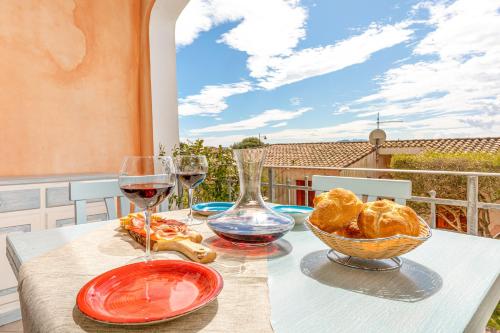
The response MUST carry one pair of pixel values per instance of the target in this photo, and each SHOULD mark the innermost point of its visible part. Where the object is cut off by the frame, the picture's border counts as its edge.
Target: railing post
(270, 182)
(288, 190)
(472, 209)
(432, 194)
(307, 192)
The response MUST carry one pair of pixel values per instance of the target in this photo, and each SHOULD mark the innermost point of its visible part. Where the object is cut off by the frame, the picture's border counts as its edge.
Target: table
(449, 284)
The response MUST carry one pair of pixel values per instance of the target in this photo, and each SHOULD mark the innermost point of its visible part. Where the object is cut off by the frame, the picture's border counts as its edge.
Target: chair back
(399, 190)
(107, 189)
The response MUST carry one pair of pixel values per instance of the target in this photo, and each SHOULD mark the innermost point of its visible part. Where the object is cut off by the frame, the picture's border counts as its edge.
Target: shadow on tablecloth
(192, 322)
(276, 249)
(413, 282)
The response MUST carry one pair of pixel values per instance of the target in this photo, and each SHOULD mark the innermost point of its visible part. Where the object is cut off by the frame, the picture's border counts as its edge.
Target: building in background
(296, 163)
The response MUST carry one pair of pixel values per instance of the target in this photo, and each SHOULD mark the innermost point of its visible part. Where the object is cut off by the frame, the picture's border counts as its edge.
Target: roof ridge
(395, 140)
(454, 139)
(314, 143)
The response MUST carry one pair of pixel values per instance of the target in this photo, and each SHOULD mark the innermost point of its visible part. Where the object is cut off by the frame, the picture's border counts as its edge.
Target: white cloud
(488, 122)
(356, 129)
(266, 27)
(194, 19)
(310, 62)
(212, 99)
(342, 109)
(282, 124)
(463, 75)
(448, 126)
(353, 129)
(445, 126)
(295, 101)
(225, 141)
(269, 32)
(452, 90)
(258, 121)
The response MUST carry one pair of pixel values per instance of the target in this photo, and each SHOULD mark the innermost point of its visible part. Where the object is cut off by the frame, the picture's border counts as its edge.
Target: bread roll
(335, 209)
(384, 218)
(351, 231)
(320, 197)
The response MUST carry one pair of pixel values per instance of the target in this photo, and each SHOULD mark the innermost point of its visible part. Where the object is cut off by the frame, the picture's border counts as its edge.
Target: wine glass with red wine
(147, 181)
(191, 171)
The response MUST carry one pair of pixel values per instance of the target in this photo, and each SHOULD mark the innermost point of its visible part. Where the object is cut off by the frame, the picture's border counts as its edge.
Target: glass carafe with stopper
(249, 220)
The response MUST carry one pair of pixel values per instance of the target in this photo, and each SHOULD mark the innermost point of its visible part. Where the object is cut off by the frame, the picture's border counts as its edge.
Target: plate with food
(168, 235)
(211, 208)
(381, 229)
(299, 213)
(149, 292)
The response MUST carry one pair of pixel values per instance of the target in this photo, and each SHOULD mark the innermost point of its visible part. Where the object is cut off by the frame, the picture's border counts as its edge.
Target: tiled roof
(491, 145)
(343, 154)
(325, 154)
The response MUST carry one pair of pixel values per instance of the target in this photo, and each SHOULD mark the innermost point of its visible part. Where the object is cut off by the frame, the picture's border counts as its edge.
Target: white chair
(106, 189)
(399, 190)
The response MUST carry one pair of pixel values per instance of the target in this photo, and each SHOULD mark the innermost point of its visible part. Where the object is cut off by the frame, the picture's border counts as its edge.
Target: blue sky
(320, 70)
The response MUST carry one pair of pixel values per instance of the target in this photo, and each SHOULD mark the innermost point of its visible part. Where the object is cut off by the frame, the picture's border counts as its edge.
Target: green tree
(451, 187)
(221, 183)
(494, 321)
(250, 142)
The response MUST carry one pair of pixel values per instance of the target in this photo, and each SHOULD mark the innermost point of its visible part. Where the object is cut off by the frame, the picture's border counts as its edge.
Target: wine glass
(147, 181)
(191, 171)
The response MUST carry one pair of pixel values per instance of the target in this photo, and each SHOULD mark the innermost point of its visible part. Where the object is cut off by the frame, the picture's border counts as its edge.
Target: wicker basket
(376, 248)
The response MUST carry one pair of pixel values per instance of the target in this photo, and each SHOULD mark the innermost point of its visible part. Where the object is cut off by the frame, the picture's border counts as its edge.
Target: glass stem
(190, 197)
(147, 225)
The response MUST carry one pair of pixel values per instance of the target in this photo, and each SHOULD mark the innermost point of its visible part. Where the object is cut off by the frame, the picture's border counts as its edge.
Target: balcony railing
(472, 202)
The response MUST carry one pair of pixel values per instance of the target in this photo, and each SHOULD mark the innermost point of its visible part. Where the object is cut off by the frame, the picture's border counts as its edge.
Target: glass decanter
(249, 221)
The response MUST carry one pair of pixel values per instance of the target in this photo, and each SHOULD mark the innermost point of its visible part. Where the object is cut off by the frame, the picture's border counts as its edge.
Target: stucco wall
(69, 85)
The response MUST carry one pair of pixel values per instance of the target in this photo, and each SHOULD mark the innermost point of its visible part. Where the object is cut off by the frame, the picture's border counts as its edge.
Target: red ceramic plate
(147, 293)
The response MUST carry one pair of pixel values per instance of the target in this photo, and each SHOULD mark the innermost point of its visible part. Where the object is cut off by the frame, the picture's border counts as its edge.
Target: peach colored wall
(69, 85)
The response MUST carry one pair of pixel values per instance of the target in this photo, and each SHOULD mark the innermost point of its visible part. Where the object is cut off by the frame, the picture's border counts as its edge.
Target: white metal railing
(472, 202)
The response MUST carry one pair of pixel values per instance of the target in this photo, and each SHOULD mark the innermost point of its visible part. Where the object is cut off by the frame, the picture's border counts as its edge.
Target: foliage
(494, 321)
(222, 177)
(251, 142)
(451, 187)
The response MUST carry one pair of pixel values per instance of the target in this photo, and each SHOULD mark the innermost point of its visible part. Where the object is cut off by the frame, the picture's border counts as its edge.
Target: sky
(321, 70)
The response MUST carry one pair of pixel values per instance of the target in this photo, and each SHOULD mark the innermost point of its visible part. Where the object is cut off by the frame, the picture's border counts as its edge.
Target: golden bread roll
(320, 197)
(384, 218)
(335, 209)
(351, 231)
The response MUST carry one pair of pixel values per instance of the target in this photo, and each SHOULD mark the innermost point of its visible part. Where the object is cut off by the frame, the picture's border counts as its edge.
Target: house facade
(296, 163)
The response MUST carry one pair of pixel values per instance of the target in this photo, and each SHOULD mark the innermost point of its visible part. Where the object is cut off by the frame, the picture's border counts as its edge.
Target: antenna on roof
(377, 136)
(387, 121)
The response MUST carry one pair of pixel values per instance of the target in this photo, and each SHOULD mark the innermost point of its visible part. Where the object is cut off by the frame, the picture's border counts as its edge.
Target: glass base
(276, 249)
(192, 221)
(152, 257)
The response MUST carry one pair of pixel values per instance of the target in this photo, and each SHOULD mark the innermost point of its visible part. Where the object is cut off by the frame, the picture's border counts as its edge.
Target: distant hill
(353, 140)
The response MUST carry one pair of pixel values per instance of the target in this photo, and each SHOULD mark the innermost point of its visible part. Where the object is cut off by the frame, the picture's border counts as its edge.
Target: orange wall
(69, 85)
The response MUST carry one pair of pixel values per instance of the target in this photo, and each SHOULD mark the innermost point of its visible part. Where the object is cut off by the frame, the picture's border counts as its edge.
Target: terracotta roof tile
(317, 154)
(491, 145)
(343, 154)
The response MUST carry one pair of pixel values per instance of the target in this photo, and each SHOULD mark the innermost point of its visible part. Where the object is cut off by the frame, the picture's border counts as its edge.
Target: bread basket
(376, 248)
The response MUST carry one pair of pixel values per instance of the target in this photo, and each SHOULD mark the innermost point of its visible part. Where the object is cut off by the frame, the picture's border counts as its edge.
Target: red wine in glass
(263, 239)
(147, 181)
(191, 179)
(147, 195)
(191, 171)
